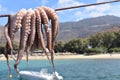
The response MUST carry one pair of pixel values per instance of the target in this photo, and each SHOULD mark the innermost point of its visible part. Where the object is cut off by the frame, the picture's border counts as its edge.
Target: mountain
(87, 27)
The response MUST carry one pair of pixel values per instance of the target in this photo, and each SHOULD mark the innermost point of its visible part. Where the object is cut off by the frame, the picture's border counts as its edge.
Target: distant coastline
(62, 57)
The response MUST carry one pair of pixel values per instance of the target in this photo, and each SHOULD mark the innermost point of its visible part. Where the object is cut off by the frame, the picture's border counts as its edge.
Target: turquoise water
(70, 69)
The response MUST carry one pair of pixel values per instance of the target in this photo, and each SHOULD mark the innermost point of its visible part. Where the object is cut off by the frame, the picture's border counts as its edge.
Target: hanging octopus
(31, 24)
(34, 29)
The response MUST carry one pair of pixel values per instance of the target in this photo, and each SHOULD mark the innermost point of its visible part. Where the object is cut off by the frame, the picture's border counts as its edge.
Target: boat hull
(31, 75)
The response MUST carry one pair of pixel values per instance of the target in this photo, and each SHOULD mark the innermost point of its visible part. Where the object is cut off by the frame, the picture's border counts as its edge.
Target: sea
(86, 69)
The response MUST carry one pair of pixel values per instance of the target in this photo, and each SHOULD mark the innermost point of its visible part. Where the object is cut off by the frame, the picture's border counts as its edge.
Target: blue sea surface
(93, 69)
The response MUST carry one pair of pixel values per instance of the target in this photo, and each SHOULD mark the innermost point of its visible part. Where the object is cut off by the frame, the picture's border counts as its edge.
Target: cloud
(78, 13)
(90, 8)
(67, 3)
(43, 2)
(102, 0)
(99, 10)
(2, 9)
(86, 12)
(103, 8)
(96, 14)
(114, 10)
(72, 14)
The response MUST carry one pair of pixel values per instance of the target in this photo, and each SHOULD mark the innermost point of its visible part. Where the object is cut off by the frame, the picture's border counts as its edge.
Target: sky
(13, 6)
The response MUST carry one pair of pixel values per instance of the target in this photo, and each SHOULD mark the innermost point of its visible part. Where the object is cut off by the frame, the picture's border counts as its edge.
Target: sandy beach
(43, 57)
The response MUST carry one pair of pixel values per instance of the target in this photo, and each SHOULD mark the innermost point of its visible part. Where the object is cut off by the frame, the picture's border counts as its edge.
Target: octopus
(34, 28)
(35, 32)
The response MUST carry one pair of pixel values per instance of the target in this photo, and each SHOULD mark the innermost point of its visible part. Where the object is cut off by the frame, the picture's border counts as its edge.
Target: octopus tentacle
(44, 18)
(45, 22)
(36, 41)
(7, 36)
(8, 45)
(55, 31)
(17, 22)
(49, 39)
(31, 36)
(14, 24)
(50, 48)
(40, 36)
(25, 30)
(54, 19)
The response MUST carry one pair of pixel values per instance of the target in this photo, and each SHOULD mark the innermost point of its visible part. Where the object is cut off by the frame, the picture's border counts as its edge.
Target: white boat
(42, 75)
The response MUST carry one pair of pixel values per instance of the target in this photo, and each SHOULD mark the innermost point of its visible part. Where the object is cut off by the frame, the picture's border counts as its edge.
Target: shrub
(1, 49)
(59, 46)
(94, 50)
(15, 46)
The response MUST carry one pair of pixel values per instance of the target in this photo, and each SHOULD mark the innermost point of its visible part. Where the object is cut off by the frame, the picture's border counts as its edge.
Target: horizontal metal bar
(86, 5)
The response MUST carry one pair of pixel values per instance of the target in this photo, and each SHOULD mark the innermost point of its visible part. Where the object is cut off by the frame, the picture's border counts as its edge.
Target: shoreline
(62, 57)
